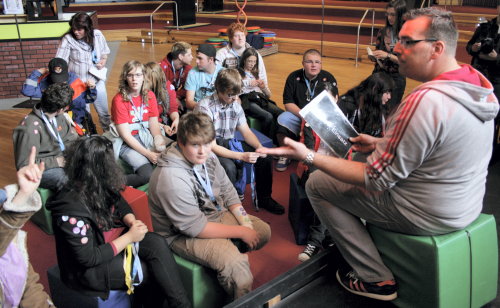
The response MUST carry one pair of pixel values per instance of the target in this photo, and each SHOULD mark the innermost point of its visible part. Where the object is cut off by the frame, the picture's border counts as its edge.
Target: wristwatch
(309, 159)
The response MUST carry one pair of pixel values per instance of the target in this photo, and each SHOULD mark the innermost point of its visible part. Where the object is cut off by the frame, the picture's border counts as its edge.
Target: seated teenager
(19, 283)
(134, 111)
(47, 129)
(201, 79)
(94, 225)
(84, 93)
(194, 205)
(255, 99)
(168, 114)
(227, 118)
(176, 66)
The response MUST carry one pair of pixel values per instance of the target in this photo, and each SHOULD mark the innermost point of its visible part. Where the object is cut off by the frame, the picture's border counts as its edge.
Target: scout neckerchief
(132, 267)
(177, 82)
(205, 183)
(310, 92)
(52, 127)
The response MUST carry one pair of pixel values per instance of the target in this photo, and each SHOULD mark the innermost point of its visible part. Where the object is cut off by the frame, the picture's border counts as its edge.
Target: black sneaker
(308, 252)
(383, 290)
(271, 206)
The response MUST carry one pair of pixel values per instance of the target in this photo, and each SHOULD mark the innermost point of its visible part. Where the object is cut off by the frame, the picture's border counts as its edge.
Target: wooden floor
(278, 67)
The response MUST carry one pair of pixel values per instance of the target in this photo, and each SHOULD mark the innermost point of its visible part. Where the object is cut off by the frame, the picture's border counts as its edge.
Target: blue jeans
(101, 105)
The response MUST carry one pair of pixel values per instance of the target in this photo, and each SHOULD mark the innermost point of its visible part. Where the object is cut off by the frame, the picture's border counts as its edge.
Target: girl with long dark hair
(85, 48)
(367, 105)
(93, 225)
(255, 99)
(386, 40)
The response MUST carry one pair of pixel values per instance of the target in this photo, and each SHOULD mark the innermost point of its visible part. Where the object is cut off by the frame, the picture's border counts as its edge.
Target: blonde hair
(157, 83)
(179, 48)
(123, 87)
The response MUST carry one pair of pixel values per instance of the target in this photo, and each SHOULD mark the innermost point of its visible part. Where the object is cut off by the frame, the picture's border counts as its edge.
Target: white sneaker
(282, 164)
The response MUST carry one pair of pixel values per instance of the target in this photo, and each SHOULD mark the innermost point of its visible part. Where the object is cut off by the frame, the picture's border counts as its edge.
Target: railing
(423, 3)
(151, 18)
(359, 29)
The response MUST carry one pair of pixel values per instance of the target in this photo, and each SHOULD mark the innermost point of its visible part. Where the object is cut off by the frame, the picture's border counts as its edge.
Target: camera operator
(484, 48)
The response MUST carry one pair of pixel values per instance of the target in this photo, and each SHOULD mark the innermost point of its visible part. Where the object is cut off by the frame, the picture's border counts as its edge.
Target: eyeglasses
(311, 62)
(138, 75)
(408, 43)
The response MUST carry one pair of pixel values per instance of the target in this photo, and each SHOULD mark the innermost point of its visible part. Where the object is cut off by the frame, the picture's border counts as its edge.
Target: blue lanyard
(205, 183)
(236, 55)
(139, 112)
(212, 81)
(177, 81)
(50, 126)
(137, 268)
(309, 91)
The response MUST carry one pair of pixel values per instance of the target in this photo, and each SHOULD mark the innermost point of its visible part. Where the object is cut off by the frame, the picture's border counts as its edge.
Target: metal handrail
(359, 29)
(151, 18)
(423, 3)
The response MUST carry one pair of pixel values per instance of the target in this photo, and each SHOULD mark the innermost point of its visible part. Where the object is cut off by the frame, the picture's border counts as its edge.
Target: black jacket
(484, 31)
(82, 254)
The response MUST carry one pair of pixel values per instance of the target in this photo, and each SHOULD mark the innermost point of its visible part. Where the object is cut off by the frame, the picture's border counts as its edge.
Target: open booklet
(330, 123)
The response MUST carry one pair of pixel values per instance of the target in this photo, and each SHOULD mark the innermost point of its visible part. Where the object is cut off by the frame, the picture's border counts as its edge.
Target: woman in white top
(84, 48)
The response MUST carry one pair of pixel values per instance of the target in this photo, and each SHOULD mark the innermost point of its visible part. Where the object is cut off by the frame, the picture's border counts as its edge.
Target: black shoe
(272, 206)
(308, 252)
(383, 290)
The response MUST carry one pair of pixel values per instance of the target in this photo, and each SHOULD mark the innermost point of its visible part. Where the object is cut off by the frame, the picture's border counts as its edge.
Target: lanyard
(310, 93)
(137, 269)
(212, 81)
(177, 81)
(236, 55)
(139, 112)
(51, 125)
(205, 183)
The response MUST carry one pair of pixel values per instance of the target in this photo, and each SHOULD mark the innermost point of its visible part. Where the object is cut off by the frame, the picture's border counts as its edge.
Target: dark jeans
(263, 170)
(161, 280)
(267, 118)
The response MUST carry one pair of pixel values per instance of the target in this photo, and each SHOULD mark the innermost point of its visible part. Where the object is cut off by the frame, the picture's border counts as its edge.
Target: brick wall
(37, 53)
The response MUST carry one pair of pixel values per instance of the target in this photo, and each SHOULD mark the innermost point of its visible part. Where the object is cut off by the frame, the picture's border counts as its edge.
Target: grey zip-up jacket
(178, 202)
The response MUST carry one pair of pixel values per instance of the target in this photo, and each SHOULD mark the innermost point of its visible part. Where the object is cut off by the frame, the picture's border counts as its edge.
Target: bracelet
(309, 159)
(388, 56)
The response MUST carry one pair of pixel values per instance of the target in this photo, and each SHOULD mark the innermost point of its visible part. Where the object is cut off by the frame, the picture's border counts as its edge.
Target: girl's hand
(137, 231)
(254, 83)
(153, 157)
(173, 127)
(380, 54)
(250, 237)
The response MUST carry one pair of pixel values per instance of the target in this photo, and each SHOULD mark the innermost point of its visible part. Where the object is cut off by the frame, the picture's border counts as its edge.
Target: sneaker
(308, 252)
(242, 197)
(272, 206)
(282, 164)
(383, 290)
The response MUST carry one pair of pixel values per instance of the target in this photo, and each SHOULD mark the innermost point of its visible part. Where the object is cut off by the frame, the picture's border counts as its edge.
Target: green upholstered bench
(459, 269)
(201, 284)
(43, 217)
(254, 123)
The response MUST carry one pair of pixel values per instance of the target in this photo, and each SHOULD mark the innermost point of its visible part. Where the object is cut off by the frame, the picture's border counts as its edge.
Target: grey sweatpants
(232, 267)
(340, 206)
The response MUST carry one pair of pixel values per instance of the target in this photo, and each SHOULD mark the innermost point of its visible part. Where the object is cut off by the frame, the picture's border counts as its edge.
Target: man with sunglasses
(426, 176)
